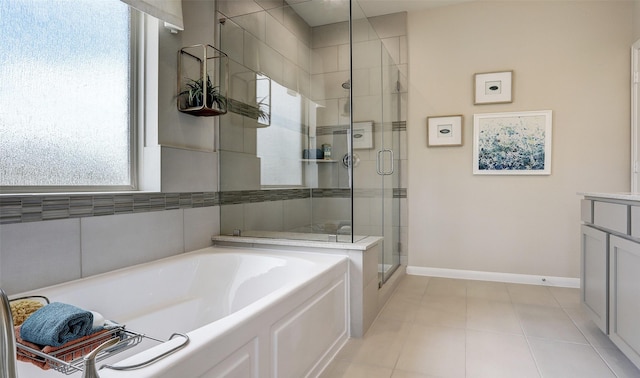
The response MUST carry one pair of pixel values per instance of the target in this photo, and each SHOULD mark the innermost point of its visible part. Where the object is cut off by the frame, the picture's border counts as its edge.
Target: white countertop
(291, 239)
(627, 196)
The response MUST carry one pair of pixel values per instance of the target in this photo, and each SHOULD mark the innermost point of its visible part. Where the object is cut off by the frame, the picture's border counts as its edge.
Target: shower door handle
(380, 162)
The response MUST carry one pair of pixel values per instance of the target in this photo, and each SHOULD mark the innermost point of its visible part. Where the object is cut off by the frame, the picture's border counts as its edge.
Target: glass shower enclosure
(325, 162)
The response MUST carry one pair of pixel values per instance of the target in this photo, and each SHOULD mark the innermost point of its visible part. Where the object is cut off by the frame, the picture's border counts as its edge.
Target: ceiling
(323, 12)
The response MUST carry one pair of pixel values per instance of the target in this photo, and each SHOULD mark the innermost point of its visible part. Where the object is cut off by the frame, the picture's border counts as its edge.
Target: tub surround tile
(39, 254)
(199, 225)
(114, 242)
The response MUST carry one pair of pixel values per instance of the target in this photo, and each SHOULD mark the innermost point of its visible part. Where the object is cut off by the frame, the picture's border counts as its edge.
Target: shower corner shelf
(319, 161)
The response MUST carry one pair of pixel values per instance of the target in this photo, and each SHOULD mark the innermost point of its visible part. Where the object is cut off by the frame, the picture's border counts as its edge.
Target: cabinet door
(594, 278)
(624, 294)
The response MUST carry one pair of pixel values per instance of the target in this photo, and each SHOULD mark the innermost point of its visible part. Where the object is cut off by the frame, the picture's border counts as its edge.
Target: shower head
(347, 84)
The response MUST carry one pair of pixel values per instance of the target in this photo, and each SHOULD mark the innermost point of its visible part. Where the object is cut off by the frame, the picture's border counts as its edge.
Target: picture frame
(444, 131)
(514, 143)
(362, 135)
(493, 87)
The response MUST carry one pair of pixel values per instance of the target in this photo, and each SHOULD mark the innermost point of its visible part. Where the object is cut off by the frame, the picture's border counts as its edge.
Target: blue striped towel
(56, 324)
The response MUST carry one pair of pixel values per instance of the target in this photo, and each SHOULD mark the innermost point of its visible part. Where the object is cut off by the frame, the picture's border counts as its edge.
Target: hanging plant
(256, 112)
(194, 94)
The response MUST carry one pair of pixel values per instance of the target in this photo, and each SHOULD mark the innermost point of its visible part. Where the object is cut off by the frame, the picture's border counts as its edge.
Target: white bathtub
(247, 312)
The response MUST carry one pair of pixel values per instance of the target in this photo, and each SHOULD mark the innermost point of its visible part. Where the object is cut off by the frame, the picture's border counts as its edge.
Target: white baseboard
(494, 276)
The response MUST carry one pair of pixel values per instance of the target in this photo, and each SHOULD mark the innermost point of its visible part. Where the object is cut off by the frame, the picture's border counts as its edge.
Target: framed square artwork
(444, 131)
(493, 87)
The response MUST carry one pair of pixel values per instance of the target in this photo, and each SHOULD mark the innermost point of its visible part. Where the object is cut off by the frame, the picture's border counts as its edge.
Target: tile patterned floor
(439, 327)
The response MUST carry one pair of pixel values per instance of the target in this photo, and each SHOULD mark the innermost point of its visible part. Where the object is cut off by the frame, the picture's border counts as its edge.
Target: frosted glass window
(64, 93)
(279, 146)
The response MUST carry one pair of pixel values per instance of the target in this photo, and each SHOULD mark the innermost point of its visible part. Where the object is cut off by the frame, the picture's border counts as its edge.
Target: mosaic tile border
(36, 208)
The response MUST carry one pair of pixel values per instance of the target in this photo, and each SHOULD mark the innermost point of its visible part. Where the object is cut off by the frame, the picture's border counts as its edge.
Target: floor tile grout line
(590, 343)
(524, 334)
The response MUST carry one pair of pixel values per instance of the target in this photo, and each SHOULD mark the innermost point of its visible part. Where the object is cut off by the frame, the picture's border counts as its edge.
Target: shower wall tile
(393, 48)
(113, 242)
(251, 53)
(327, 113)
(299, 27)
(281, 39)
(39, 254)
(254, 23)
(232, 41)
(240, 171)
(344, 57)
(304, 82)
(188, 171)
(325, 59)
(304, 57)
(367, 54)
(232, 132)
(390, 25)
(328, 85)
(199, 225)
(271, 4)
(290, 75)
(362, 30)
(271, 62)
(363, 177)
(197, 16)
(329, 35)
(233, 216)
(367, 108)
(362, 212)
(365, 82)
(250, 137)
(232, 8)
(264, 216)
(297, 213)
(277, 13)
(331, 210)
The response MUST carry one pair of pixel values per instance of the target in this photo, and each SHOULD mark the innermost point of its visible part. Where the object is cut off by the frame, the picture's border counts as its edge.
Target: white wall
(570, 57)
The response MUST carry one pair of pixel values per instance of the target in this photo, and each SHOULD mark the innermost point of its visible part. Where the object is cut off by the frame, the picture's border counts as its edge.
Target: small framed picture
(444, 131)
(493, 87)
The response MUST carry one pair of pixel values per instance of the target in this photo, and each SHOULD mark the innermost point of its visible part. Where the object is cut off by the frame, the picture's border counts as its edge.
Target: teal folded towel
(56, 324)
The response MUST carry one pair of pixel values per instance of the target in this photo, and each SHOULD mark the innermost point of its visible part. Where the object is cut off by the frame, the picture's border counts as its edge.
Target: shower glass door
(375, 95)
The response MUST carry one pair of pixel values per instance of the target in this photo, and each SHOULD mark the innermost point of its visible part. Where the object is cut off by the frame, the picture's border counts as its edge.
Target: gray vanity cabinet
(610, 262)
(624, 296)
(595, 275)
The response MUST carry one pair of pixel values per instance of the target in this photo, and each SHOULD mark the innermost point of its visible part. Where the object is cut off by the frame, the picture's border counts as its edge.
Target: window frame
(137, 43)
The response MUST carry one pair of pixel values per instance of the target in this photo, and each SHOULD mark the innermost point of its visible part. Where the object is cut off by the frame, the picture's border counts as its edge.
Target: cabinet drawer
(635, 221)
(586, 211)
(612, 216)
